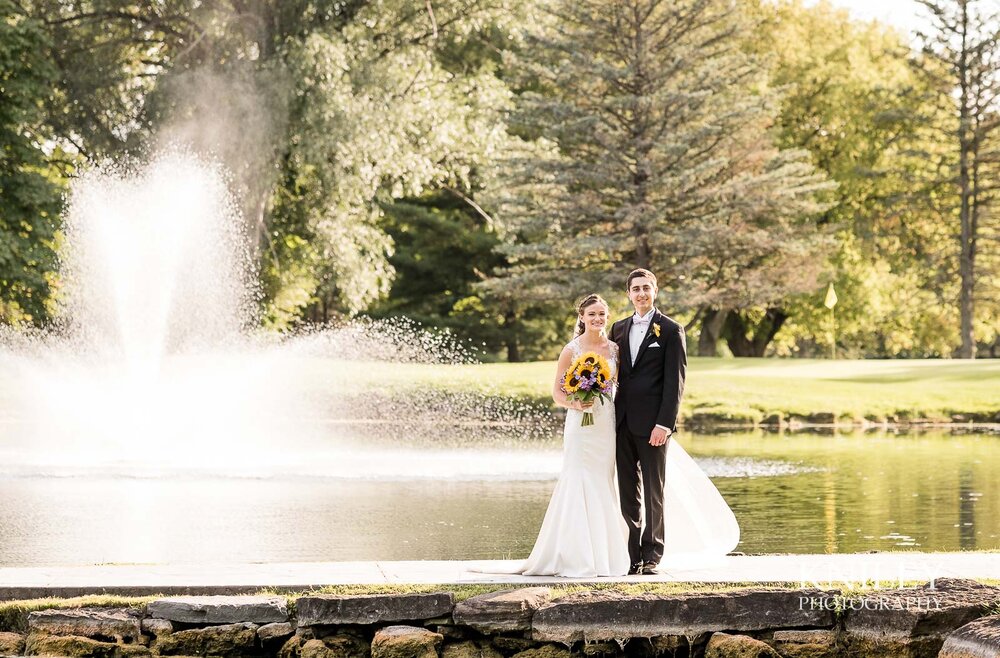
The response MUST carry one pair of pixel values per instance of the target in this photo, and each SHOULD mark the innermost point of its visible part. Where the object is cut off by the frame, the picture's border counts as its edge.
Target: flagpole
(833, 334)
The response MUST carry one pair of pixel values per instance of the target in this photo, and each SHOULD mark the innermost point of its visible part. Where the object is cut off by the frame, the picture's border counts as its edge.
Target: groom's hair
(635, 274)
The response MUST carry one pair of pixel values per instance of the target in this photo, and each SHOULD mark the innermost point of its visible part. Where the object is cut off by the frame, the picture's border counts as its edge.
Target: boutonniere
(656, 329)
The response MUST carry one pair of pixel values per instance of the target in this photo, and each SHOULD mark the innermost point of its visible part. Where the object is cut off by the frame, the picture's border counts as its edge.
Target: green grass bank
(743, 392)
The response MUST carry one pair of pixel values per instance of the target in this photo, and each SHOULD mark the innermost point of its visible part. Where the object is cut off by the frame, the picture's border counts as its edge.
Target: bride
(583, 533)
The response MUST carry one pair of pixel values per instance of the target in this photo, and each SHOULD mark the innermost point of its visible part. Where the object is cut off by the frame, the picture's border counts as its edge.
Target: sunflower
(571, 383)
(598, 362)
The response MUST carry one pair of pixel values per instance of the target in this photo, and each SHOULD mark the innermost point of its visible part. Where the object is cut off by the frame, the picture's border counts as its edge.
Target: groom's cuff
(666, 429)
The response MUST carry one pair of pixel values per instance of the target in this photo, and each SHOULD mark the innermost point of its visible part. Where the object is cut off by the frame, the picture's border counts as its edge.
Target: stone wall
(949, 618)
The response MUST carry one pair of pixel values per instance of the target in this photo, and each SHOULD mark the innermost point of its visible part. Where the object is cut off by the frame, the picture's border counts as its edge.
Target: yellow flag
(831, 297)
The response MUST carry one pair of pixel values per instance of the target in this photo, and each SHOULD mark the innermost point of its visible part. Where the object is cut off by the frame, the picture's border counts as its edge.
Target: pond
(375, 499)
(152, 424)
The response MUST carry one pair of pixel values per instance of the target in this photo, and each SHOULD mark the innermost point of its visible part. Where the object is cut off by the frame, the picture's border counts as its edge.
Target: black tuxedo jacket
(649, 392)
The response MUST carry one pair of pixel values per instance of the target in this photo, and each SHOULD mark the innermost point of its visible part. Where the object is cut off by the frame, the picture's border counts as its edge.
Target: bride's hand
(584, 406)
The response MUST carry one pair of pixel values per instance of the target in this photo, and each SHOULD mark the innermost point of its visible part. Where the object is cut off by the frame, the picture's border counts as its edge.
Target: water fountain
(155, 412)
(149, 364)
(155, 366)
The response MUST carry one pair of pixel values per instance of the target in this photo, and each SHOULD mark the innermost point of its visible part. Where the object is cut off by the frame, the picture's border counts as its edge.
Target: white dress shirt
(640, 325)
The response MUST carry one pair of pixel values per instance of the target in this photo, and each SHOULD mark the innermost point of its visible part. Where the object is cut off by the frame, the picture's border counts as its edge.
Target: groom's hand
(658, 436)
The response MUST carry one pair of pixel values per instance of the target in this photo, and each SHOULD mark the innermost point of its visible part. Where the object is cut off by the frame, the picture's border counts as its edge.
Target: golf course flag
(830, 302)
(831, 297)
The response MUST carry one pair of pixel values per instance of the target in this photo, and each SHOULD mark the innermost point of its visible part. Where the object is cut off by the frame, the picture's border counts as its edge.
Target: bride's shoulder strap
(614, 348)
(574, 346)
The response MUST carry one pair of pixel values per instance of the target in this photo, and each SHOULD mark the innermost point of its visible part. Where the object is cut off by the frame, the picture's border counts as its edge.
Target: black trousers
(641, 471)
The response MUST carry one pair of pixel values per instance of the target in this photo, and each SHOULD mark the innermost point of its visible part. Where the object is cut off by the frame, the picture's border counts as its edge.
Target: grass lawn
(751, 389)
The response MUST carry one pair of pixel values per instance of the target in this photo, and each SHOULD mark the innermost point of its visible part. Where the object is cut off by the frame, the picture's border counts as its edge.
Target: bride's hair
(586, 302)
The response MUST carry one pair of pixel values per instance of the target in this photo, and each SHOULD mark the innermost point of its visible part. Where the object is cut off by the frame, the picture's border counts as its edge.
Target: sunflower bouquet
(588, 378)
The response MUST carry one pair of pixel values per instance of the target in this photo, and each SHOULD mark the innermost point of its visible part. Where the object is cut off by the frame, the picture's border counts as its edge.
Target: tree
(962, 57)
(852, 99)
(649, 143)
(330, 110)
(368, 127)
(441, 247)
(108, 55)
(29, 189)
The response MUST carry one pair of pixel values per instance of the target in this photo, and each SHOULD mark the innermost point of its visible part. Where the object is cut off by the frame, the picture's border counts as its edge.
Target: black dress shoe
(650, 568)
(635, 569)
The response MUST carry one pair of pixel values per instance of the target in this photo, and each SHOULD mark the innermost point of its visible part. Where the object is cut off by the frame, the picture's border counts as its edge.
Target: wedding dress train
(699, 526)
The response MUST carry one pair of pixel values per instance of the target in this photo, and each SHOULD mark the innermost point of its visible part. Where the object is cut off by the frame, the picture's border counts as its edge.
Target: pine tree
(962, 56)
(648, 143)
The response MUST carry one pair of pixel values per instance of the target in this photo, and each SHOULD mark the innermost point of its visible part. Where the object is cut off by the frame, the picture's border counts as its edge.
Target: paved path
(812, 570)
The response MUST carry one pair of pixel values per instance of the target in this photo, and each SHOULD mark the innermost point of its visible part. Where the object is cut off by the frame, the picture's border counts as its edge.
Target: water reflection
(796, 493)
(927, 491)
(967, 498)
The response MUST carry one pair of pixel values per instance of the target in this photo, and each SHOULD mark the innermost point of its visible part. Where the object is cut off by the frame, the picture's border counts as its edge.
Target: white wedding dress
(584, 534)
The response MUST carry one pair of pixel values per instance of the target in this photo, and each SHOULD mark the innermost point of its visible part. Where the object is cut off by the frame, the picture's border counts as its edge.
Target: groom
(650, 386)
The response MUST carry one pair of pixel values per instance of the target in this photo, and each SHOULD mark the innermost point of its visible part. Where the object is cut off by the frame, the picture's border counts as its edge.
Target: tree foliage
(852, 99)
(655, 149)
(961, 58)
(748, 152)
(370, 126)
(322, 111)
(29, 188)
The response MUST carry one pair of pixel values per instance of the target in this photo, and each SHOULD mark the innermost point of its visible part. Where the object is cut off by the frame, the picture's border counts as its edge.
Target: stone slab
(223, 640)
(325, 610)
(978, 639)
(806, 644)
(725, 645)
(11, 644)
(220, 609)
(502, 612)
(157, 626)
(275, 631)
(87, 622)
(602, 615)
(470, 649)
(405, 642)
(936, 608)
(62, 646)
